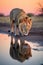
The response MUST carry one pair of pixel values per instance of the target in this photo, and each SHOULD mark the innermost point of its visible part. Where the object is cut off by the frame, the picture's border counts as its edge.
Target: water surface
(36, 48)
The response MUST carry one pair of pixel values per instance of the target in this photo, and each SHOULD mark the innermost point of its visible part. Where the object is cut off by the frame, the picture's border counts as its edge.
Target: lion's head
(25, 25)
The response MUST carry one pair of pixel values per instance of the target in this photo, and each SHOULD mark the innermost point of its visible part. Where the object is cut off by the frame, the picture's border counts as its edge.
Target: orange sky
(27, 5)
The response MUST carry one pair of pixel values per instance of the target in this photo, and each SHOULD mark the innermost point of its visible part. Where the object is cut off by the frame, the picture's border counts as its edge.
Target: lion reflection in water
(20, 55)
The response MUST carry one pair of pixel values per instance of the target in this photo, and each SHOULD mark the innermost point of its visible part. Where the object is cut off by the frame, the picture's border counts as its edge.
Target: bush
(30, 14)
(1, 14)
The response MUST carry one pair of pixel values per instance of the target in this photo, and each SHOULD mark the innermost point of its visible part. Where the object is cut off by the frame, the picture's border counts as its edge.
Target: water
(36, 49)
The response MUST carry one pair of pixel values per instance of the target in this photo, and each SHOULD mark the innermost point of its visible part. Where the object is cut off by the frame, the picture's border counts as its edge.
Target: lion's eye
(26, 17)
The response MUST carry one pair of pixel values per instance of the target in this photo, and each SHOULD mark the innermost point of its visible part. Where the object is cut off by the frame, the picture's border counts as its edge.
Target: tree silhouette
(1, 14)
(40, 9)
(30, 14)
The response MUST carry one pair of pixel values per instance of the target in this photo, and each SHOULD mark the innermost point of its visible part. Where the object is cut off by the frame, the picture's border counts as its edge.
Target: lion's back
(14, 13)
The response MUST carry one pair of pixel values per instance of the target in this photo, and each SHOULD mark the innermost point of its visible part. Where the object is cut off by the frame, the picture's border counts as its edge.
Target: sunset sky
(28, 5)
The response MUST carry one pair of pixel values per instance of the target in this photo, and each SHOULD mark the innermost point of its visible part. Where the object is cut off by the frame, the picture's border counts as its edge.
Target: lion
(20, 22)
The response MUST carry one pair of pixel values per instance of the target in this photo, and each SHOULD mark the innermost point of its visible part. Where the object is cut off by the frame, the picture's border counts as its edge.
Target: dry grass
(37, 21)
(5, 19)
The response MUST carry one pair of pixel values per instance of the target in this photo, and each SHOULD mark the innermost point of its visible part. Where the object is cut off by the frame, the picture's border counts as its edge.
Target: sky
(27, 5)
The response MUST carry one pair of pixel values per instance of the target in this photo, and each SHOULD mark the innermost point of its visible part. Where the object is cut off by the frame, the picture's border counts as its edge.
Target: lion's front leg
(11, 40)
(12, 30)
(22, 42)
(12, 26)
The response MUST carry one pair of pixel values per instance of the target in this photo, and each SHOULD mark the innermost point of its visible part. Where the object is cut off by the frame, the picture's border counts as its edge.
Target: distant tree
(40, 9)
(30, 14)
(1, 14)
(40, 14)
